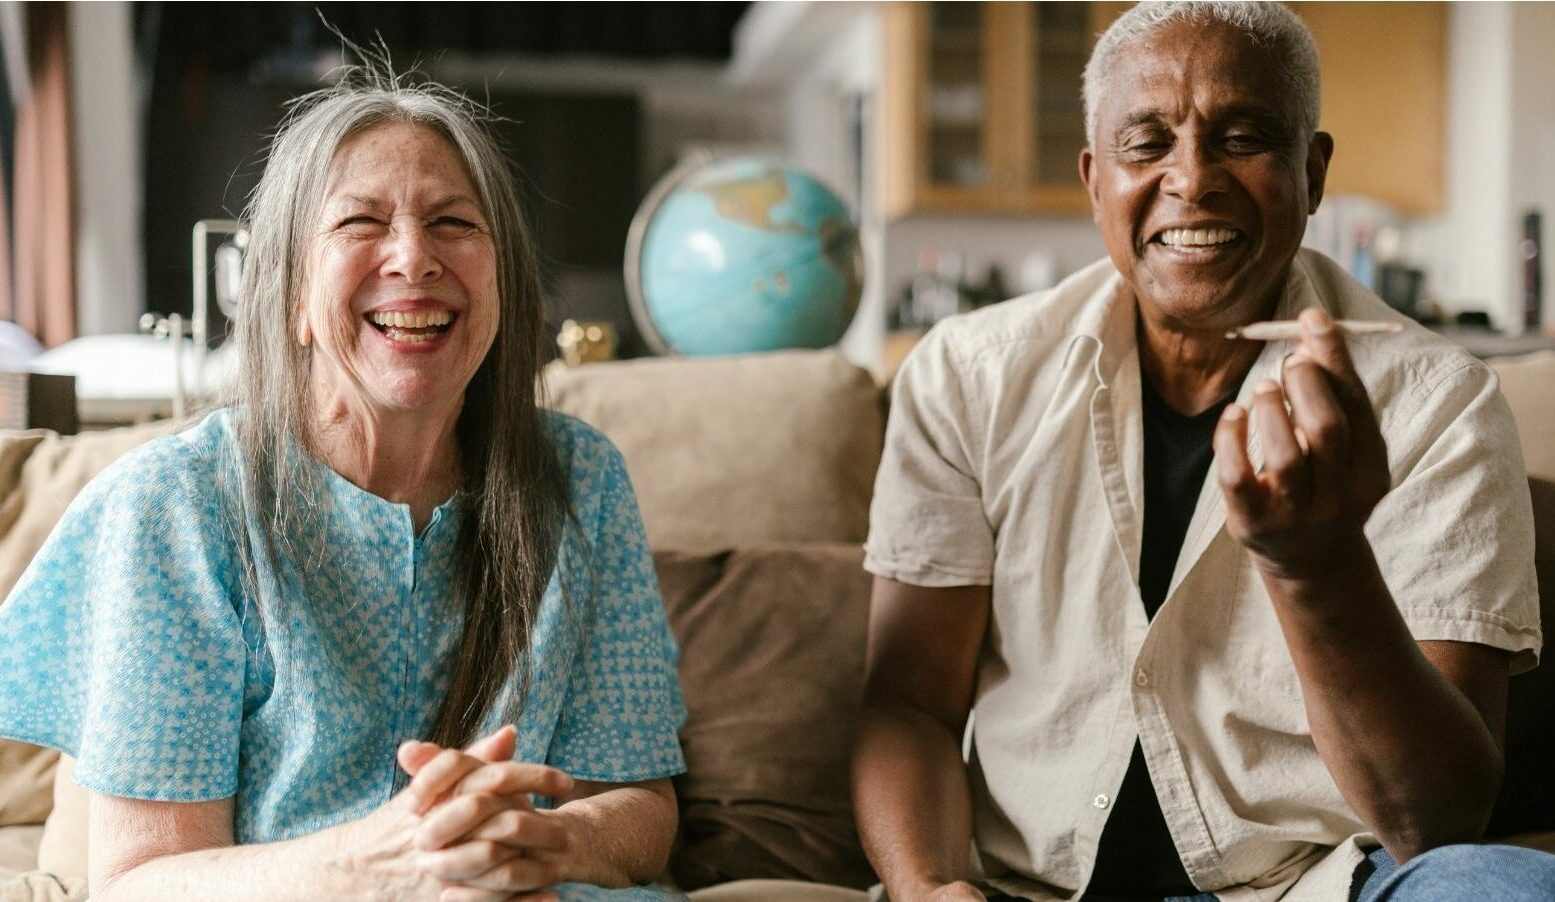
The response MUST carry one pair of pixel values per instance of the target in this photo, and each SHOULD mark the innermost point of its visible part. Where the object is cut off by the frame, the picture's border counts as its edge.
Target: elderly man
(1241, 685)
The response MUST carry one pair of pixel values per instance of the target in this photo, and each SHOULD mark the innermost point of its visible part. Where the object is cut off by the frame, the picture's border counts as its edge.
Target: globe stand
(635, 235)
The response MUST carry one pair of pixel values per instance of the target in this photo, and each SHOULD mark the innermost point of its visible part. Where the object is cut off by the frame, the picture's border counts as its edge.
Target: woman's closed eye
(453, 225)
(360, 223)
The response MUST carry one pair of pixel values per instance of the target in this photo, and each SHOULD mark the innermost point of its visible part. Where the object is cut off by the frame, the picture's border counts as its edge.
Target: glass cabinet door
(955, 96)
(1061, 44)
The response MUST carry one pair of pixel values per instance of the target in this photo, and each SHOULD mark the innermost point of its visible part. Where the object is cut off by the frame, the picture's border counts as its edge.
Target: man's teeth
(1196, 237)
(421, 320)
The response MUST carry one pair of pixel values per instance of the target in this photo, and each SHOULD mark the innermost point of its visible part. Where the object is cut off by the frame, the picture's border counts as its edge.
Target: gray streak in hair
(1270, 25)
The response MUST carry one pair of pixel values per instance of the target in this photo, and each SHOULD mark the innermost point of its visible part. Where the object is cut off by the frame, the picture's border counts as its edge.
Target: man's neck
(1193, 369)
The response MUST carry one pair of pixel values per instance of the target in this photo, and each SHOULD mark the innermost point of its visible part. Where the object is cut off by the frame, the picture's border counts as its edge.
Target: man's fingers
(1324, 345)
(499, 746)
(1320, 417)
(1284, 465)
(510, 777)
(1234, 470)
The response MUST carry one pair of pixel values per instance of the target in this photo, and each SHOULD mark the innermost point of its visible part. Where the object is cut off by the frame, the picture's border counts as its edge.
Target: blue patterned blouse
(129, 643)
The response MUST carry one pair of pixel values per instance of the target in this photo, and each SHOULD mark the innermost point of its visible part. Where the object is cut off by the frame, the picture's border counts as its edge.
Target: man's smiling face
(1201, 179)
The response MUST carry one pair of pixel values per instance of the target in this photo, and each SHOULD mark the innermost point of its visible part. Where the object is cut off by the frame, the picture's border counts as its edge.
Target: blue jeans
(1449, 874)
(1457, 873)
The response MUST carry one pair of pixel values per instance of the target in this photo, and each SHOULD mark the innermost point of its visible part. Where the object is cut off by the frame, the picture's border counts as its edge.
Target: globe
(739, 255)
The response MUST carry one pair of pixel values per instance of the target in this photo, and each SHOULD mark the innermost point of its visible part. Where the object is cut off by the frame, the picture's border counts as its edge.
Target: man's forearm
(910, 793)
(1408, 751)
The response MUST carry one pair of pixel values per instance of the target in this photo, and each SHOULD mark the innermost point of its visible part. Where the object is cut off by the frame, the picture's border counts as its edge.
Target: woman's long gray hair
(514, 485)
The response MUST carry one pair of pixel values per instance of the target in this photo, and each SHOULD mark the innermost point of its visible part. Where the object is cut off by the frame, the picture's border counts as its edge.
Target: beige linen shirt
(1013, 459)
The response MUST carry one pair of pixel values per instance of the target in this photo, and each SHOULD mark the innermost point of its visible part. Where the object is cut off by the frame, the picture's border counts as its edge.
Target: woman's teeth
(420, 320)
(412, 328)
(1197, 237)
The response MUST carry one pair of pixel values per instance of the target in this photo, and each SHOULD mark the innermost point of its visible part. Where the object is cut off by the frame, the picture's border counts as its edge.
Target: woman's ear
(302, 331)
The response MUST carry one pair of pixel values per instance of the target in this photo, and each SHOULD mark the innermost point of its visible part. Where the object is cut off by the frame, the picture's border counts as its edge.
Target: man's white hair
(1270, 25)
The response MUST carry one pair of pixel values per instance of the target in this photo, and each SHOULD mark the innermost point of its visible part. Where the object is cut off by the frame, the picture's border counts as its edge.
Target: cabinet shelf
(1012, 148)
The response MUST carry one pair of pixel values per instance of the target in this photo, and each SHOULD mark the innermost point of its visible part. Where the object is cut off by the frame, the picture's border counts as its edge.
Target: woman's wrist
(377, 853)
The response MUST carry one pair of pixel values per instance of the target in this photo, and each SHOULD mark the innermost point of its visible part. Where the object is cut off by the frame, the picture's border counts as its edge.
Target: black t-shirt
(1137, 859)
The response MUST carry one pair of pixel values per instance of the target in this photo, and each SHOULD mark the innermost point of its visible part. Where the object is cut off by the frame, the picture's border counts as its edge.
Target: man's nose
(411, 254)
(1193, 173)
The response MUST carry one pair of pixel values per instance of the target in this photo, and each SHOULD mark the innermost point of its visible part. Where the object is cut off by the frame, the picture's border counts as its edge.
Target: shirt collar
(1104, 328)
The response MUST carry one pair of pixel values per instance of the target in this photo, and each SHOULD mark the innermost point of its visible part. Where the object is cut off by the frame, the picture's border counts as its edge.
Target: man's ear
(1319, 153)
(1088, 176)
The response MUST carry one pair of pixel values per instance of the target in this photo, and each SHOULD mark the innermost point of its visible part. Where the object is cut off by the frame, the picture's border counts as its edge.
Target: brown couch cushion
(40, 472)
(772, 663)
(737, 451)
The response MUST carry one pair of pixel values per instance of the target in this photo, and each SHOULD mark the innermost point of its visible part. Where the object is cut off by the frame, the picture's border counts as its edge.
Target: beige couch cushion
(20, 878)
(40, 472)
(18, 850)
(778, 447)
(62, 848)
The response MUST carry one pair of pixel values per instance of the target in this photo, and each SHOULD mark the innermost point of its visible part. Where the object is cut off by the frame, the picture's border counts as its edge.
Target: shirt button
(1101, 801)
(1141, 678)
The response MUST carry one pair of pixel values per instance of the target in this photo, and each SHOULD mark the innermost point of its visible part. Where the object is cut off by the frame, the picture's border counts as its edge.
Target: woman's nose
(1193, 173)
(411, 254)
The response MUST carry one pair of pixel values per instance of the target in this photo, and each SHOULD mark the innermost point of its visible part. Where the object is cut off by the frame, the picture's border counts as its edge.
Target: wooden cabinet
(1384, 99)
(982, 109)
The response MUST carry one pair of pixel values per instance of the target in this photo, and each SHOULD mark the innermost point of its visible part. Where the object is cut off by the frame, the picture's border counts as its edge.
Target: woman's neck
(408, 457)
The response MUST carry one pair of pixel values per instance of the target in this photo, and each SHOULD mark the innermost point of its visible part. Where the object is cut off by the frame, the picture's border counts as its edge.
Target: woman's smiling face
(1201, 179)
(400, 298)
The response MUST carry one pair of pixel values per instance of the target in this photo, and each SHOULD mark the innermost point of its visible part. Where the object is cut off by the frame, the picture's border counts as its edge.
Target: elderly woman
(1235, 618)
(380, 628)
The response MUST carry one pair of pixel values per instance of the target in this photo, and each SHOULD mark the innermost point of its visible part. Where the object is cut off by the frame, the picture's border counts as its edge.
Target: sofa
(754, 476)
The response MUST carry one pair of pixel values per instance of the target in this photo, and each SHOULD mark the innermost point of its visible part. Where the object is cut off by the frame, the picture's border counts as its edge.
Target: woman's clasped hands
(473, 827)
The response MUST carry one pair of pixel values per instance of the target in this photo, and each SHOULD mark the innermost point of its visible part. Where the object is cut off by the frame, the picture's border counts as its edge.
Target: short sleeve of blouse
(927, 523)
(120, 644)
(621, 718)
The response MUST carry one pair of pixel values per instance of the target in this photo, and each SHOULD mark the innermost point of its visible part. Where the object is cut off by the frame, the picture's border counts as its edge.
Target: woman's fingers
(413, 755)
(499, 746)
(490, 865)
(471, 894)
(508, 777)
(459, 816)
(438, 777)
(484, 818)
(523, 828)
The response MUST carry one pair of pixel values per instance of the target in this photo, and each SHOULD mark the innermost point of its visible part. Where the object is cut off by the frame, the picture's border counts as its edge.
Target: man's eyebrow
(1258, 115)
(1137, 118)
